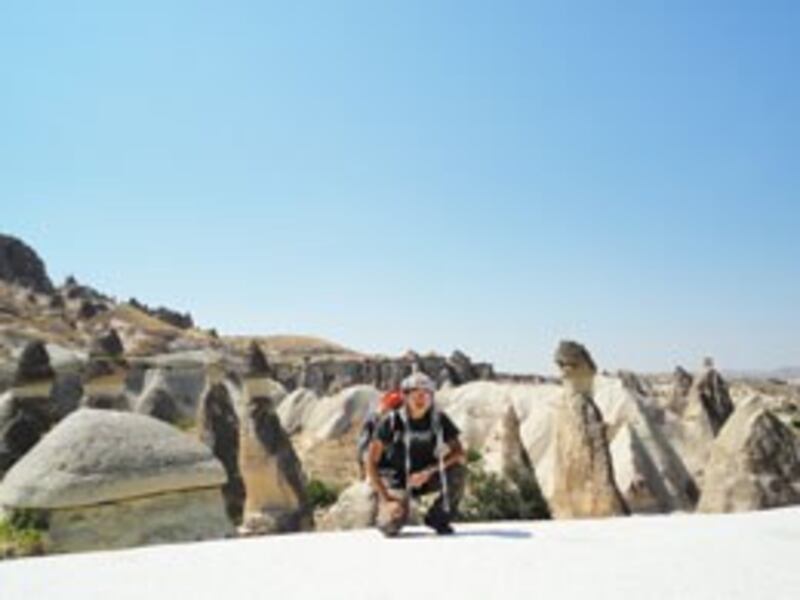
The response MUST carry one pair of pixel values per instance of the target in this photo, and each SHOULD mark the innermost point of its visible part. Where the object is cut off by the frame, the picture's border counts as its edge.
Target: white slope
(746, 555)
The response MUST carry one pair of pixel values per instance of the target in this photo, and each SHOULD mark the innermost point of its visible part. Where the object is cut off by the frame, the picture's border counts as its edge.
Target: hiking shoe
(439, 525)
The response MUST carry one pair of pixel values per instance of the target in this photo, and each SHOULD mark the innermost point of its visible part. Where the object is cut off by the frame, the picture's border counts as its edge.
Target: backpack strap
(403, 413)
(439, 431)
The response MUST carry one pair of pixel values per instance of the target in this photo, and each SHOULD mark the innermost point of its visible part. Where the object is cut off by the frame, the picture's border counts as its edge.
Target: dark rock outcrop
(89, 310)
(257, 364)
(20, 264)
(159, 404)
(23, 422)
(34, 364)
(108, 345)
(710, 391)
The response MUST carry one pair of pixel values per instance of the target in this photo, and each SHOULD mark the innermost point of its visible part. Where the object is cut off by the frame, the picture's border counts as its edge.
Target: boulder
(275, 485)
(96, 456)
(34, 364)
(218, 427)
(355, 508)
(584, 483)
(754, 463)
(107, 479)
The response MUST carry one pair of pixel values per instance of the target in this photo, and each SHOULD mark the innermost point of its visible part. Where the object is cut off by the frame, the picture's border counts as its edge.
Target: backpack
(389, 402)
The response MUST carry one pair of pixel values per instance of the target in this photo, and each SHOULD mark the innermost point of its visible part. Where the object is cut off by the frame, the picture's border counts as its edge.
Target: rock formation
(218, 427)
(710, 393)
(34, 364)
(708, 405)
(257, 364)
(274, 482)
(649, 472)
(107, 345)
(504, 453)
(681, 384)
(584, 477)
(106, 479)
(20, 264)
(754, 463)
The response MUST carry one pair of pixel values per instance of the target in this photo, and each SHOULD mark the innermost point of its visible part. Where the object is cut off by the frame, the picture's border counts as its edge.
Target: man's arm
(373, 458)
(455, 454)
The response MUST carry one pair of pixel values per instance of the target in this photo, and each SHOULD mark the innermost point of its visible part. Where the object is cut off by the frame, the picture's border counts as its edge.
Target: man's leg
(391, 519)
(437, 516)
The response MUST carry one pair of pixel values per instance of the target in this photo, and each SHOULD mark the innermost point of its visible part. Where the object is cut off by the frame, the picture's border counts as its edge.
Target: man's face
(419, 400)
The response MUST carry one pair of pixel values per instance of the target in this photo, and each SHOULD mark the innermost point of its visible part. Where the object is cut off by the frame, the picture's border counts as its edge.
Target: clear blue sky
(491, 176)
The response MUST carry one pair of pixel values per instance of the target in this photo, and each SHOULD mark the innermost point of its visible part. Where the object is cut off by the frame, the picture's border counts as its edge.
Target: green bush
(21, 533)
(320, 495)
(490, 497)
(473, 456)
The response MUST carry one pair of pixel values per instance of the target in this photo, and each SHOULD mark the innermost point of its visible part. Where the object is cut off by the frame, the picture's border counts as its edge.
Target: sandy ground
(753, 555)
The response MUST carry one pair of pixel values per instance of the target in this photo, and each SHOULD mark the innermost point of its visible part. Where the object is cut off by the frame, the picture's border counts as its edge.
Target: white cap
(418, 381)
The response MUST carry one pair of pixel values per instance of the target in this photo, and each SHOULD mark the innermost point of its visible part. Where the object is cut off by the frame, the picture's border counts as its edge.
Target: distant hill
(783, 373)
(292, 345)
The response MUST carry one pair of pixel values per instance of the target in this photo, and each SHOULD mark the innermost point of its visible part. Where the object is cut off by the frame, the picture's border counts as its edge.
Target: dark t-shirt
(422, 437)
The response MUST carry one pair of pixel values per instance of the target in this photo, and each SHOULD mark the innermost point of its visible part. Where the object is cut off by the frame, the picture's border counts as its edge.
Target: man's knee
(392, 516)
(456, 479)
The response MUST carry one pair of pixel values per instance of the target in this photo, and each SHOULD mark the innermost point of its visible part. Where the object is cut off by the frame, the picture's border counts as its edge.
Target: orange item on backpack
(391, 400)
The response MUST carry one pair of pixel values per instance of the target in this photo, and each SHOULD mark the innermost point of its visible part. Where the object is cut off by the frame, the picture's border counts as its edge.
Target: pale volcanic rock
(754, 463)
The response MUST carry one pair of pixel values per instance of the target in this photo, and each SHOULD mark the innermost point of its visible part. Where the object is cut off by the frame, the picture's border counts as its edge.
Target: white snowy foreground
(753, 555)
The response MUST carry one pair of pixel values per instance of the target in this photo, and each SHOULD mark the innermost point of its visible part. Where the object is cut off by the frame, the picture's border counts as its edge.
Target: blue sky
(430, 175)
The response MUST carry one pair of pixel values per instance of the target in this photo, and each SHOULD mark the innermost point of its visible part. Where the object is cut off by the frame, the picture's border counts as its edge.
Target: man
(416, 451)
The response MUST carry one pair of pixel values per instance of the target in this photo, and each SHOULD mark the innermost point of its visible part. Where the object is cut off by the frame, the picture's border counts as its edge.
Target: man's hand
(395, 508)
(420, 478)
